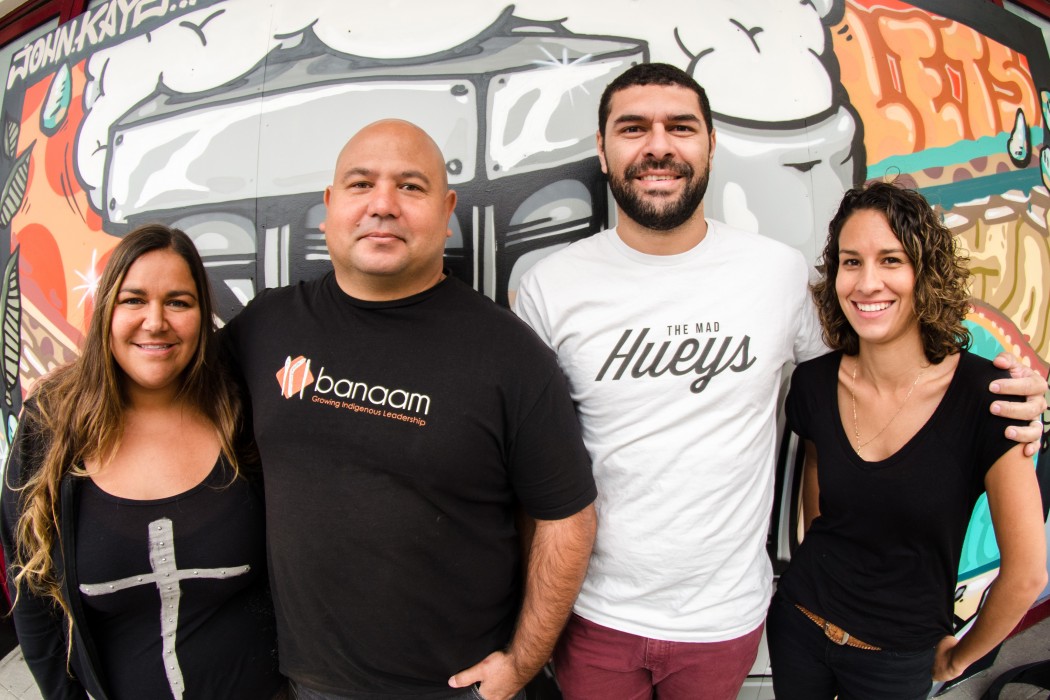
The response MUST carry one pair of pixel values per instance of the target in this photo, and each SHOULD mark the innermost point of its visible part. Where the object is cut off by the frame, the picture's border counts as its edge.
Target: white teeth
(873, 307)
(656, 178)
(154, 347)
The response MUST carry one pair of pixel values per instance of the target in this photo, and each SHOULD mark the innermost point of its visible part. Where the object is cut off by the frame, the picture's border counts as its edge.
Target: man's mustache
(669, 164)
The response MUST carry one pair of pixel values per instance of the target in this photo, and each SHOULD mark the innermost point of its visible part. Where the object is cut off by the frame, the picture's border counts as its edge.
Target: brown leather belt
(836, 633)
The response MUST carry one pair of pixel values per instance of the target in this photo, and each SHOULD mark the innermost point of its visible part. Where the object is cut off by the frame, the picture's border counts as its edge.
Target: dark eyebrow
(355, 172)
(884, 251)
(404, 175)
(415, 175)
(627, 118)
(170, 295)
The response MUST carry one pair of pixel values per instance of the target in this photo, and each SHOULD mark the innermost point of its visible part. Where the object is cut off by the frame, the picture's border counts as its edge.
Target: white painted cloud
(771, 74)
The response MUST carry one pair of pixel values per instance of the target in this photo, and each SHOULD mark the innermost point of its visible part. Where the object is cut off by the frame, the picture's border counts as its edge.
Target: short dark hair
(652, 74)
(942, 294)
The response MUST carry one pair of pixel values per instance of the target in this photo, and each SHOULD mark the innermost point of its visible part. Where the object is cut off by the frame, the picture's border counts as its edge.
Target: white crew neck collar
(701, 248)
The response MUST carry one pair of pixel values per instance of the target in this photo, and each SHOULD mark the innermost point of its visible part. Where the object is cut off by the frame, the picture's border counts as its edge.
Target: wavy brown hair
(942, 294)
(76, 413)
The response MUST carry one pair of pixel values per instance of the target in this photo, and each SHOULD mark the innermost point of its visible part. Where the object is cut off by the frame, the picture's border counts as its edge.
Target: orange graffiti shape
(56, 203)
(40, 266)
(925, 81)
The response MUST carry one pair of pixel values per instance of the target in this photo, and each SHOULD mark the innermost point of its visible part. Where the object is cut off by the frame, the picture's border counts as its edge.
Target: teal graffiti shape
(56, 104)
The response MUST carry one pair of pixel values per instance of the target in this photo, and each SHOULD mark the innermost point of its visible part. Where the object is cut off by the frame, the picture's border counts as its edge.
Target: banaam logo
(374, 394)
(295, 376)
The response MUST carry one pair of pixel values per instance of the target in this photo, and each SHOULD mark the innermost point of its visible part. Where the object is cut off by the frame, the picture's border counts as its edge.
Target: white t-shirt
(675, 364)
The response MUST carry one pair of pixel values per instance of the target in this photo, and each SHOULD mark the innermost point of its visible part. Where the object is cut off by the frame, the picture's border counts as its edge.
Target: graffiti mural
(224, 117)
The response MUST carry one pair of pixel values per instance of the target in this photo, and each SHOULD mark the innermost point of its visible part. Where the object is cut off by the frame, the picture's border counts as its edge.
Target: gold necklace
(853, 398)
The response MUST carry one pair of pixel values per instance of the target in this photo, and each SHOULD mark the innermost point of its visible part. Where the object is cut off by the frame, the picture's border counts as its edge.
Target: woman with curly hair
(899, 444)
(135, 542)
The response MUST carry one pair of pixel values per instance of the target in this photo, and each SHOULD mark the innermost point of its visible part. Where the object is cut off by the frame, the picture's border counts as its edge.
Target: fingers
(467, 677)
(1032, 432)
(1030, 409)
(495, 676)
(1012, 363)
(1032, 386)
(1006, 360)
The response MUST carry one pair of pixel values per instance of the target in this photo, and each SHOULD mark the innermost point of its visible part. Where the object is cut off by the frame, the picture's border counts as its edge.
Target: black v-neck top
(882, 558)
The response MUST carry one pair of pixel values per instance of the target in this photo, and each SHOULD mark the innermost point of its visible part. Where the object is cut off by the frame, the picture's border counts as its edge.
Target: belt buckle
(836, 634)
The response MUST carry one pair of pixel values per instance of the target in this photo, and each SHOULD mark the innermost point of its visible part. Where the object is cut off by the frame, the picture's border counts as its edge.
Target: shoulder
(26, 454)
(765, 267)
(975, 373)
(477, 312)
(275, 298)
(818, 368)
(758, 248)
(974, 366)
(811, 383)
(810, 379)
(567, 261)
(268, 310)
(35, 427)
(487, 336)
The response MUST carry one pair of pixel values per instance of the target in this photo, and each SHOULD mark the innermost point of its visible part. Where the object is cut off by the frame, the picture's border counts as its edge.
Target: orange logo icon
(295, 376)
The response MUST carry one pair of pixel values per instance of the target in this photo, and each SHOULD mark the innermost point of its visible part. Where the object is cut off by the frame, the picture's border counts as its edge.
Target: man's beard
(649, 212)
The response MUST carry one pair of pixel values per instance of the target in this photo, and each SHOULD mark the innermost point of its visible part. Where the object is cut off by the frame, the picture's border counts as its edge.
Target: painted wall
(224, 117)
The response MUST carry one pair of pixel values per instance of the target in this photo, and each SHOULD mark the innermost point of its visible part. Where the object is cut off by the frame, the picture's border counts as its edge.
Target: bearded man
(673, 331)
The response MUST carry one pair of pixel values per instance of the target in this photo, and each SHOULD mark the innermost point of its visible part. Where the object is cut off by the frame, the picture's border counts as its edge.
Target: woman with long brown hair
(900, 443)
(134, 540)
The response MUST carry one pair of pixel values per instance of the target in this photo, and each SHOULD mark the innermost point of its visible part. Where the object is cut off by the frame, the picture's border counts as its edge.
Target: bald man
(404, 423)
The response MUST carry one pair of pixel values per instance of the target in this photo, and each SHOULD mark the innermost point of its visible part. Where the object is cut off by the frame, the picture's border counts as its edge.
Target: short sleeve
(809, 341)
(991, 442)
(549, 466)
(528, 306)
(796, 412)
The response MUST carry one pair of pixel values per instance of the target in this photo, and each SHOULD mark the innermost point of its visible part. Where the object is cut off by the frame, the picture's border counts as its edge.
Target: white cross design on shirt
(166, 575)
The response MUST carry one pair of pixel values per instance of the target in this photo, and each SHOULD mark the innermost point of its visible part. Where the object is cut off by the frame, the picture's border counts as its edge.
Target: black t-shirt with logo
(398, 441)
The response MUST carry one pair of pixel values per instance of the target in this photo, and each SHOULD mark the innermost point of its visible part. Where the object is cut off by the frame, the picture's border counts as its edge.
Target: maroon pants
(593, 662)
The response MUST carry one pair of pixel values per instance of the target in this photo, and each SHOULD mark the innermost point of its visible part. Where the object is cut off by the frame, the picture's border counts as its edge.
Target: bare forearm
(1007, 602)
(554, 568)
(557, 563)
(1017, 516)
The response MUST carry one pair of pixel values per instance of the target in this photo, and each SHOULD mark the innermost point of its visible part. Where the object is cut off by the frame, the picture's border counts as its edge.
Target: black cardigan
(40, 624)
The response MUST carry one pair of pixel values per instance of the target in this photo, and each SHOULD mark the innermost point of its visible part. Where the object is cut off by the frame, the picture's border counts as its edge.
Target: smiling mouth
(154, 346)
(879, 306)
(652, 170)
